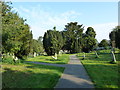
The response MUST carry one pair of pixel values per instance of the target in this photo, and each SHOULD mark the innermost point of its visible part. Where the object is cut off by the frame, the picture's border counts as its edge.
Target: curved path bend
(50, 64)
(74, 75)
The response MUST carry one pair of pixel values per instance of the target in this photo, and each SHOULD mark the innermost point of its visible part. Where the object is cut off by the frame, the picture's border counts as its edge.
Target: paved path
(50, 64)
(74, 76)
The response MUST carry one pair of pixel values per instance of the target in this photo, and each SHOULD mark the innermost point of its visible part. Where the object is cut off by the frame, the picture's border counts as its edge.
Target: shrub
(9, 59)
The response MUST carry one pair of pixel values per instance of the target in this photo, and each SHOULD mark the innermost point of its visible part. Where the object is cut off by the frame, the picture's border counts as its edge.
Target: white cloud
(41, 20)
(37, 31)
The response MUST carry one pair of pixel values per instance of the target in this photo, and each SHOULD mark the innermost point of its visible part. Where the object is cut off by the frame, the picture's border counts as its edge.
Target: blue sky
(42, 16)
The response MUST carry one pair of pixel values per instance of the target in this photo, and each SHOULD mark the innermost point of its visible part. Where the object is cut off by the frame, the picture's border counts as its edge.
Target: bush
(9, 59)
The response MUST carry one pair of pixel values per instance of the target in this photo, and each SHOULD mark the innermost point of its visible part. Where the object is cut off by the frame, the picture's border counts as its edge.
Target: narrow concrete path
(74, 76)
(50, 64)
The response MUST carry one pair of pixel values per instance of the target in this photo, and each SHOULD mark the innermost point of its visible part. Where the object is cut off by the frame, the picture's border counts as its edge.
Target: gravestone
(96, 54)
(83, 56)
(113, 57)
(55, 57)
(34, 54)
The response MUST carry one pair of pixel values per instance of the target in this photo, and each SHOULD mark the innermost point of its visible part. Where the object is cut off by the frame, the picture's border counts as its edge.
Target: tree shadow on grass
(104, 74)
(98, 73)
(102, 57)
(53, 59)
(49, 65)
(29, 78)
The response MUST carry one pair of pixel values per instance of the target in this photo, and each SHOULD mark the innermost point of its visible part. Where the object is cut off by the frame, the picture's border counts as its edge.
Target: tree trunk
(96, 54)
(113, 58)
(34, 54)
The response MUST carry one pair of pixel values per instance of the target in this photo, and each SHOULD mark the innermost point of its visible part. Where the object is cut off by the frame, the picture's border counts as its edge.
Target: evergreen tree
(88, 40)
(40, 41)
(104, 43)
(115, 37)
(73, 35)
(52, 41)
(16, 35)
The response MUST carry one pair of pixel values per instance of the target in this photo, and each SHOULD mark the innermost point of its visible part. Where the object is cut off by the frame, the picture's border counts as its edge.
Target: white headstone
(55, 55)
(34, 54)
(16, 58)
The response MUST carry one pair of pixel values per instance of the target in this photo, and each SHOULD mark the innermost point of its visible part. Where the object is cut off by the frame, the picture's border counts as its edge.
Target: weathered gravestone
(113, 58)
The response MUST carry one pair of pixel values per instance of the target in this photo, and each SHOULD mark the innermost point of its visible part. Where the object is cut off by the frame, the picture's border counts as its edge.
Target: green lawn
(108, 51)
(63, 59)
(102, 73)
(30, 76)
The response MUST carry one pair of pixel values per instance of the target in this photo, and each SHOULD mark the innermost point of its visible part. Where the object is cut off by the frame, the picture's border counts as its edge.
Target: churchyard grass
(101, 71)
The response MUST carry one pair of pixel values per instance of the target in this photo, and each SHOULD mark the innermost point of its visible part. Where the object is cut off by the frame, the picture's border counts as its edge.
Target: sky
(42, 16)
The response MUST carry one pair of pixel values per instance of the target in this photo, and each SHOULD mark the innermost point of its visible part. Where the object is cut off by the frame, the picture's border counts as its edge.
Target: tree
(36, 46)
(104, 43)
(64, 40)
(115, 37)
(26, 40)
(90, 32)
(88, 40)
(52, 41)
(73, 35)
(16, 35)
(113, 58)
(40, 41)
(112, 38)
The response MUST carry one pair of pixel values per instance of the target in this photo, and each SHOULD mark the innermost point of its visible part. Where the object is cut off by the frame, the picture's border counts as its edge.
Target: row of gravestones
(60, 53)
(33, 55)
(97, 56)
(8, 54)
(13, 56)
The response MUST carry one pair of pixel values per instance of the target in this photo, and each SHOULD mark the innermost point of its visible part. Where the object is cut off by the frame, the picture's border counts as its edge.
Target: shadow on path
(50, 64)
(74, 76)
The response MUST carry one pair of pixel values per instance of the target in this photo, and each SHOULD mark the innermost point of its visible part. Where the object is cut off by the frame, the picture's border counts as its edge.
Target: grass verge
(30, 76)
(102, 73)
